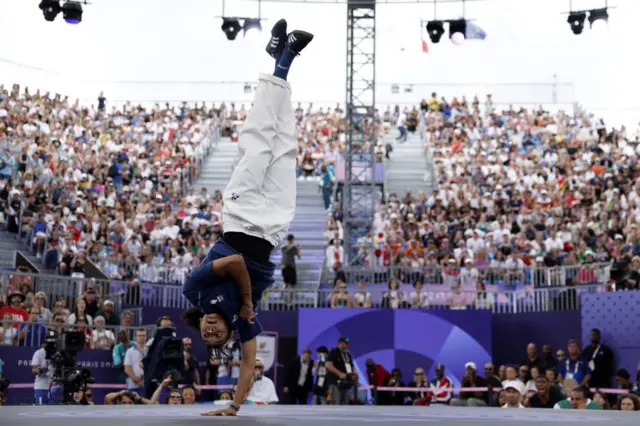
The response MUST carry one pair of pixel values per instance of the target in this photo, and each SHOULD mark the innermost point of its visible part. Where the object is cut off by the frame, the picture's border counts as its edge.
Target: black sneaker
(298, 40)
(278, 38)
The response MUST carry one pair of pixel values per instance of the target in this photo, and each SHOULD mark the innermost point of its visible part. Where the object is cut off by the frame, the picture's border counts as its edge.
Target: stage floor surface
(287, 415)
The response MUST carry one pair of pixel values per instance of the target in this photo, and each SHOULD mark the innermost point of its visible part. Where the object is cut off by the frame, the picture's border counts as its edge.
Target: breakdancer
(259, 204)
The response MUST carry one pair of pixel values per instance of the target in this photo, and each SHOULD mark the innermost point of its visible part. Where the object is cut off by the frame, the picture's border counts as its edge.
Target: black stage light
(576, 20)
(251, 24)
(231, 27)
(435, 29)
(598, 14)
(72, 12)
(50, 9)
(458, 26)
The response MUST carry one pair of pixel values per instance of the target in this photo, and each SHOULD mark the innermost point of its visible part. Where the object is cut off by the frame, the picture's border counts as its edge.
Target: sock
(282, 67)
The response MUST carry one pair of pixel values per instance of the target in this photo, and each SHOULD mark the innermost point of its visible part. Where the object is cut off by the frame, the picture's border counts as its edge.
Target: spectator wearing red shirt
(15, 308)
(378, 375)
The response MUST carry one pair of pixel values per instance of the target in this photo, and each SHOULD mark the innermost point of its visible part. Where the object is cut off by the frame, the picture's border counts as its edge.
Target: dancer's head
(214, 329)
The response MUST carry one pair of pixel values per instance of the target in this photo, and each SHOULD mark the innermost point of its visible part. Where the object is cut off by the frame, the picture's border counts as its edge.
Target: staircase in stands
(308, 223)
(407, 166)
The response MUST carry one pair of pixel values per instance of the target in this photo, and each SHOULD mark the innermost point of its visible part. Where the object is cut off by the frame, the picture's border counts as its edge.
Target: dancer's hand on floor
(246, 313)
(225, 412)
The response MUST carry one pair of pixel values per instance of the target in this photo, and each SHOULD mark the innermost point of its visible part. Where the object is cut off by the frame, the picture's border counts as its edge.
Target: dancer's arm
(247, 367)
(234, 267)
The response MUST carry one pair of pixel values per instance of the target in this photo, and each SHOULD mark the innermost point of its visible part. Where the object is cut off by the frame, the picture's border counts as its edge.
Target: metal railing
(508, 278)
(33, 333)
(503, 296)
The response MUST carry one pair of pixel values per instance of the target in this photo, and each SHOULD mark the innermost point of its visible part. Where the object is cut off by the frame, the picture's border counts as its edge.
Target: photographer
(341, 375)
(41, 367)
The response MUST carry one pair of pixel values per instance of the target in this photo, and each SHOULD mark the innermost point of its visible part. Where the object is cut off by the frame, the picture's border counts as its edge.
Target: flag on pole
(474, 32)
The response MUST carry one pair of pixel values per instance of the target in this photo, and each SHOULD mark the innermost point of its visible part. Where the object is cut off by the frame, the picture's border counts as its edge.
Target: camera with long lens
(165, 358)
(61, 351)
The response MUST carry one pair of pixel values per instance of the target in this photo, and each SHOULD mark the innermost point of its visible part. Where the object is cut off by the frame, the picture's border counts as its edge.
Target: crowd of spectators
(83, 182)
(517, 188)
(576, 379)
(25, 317)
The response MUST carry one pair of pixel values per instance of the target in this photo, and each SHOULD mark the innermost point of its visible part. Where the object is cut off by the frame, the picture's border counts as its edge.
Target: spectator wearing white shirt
(362, 298)
(513, 393)
(133, 362)
(41, 368)
(417, 298)
(262, 390)
(334, 253)
(101, 338)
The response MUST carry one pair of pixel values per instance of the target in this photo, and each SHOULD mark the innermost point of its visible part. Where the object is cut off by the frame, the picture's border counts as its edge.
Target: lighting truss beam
(360, 195)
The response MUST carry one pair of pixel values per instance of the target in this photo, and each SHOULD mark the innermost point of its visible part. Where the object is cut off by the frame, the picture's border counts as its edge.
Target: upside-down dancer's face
(214, 330)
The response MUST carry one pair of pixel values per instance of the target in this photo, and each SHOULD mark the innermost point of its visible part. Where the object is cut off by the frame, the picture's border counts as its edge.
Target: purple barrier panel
(405, 339)
(617, 317)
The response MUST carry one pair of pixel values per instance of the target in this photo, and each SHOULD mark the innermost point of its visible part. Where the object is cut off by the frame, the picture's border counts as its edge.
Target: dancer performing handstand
(259, 204)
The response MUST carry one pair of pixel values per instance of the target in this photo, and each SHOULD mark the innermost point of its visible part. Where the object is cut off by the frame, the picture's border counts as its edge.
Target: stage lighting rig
(597, 15)
(72, 12)
(251, 23)
(435, 29)
(50, 9)
(231, 27)
(576, 20)
(457, 30)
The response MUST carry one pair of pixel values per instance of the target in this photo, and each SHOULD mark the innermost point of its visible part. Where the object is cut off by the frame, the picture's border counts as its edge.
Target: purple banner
(617, 316)
(513, 332)
(404, 339)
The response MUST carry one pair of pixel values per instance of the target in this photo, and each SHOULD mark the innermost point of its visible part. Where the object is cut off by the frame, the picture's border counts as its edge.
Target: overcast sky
(168, 40)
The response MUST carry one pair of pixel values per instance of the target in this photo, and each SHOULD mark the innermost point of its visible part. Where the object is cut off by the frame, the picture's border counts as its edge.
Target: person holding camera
(40, 367)
(341, 376)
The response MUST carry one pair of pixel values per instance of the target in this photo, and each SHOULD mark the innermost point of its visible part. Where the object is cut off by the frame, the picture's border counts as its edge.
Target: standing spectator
(320, 388)
(211, 377)
(299, 379)
(289, 253)
(327, 183)
(229, 370)
(532, 357)
(341, 376)
(401, 124)
(8, 330)
(441, 383)
(32, 334)
(574, 366)
(548, 361)
(102, 102)
(377, 374)
(41, 368)
(600, 360)
(133, 362)
(191, 373)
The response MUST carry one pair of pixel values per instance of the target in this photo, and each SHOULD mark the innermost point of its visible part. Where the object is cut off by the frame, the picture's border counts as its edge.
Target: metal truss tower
(360, 193)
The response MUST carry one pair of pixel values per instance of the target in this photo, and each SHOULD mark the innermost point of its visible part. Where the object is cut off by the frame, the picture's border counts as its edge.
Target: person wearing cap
(341, 376)
(441, 383)
(107, 312)
(513, 392)
(14, 308)
(471, 379)
(262, 389)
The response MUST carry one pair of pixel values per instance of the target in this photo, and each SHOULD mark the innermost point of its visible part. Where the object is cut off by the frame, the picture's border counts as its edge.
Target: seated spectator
(41, 302)
(362, 298)
(8, 331)
(393, 298)
(546, 396)
(262, 390)
(419, 398)
(107, 312)
(629, 403)
(340, 296)
(102, 338)
(418, 299)
(600, 398)
(80, 313)
(125, 398)
(512, 394)
(472, 380)
(578, 400)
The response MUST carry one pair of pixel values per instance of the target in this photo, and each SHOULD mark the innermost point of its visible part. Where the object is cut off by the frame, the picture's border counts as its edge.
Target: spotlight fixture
(231, 27)
(72, 12)
(435, 29)
(251, 24)
(457, 30)
(50, 9)
(576, 20)
(597, 15)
